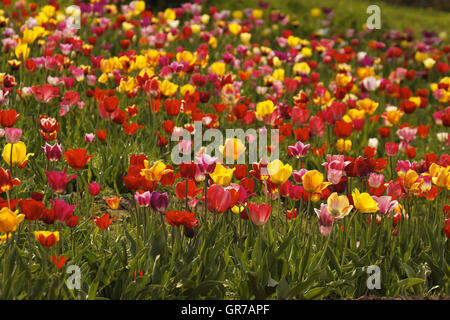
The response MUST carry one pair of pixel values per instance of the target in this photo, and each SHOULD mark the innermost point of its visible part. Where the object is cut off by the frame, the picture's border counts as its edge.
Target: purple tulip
(159, 201)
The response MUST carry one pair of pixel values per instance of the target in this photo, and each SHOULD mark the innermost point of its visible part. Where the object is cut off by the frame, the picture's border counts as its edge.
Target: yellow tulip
(22, 51)
(363, 202)
(169, 15)
(315, 12)
(218, 68)
(278, 74)
(440, 175)
(344, 145)
(302, 68)
(257, 14)
(338, 206)
(168, 88)
(19, 154)
(279, 173)
(313, 181)
(222, 175)
(9, 220)
(156, 172)
(368, 105)
(234, 28)
(187, 88)
(237, 209)
(264, 108)
(411, 180)
(233, 148)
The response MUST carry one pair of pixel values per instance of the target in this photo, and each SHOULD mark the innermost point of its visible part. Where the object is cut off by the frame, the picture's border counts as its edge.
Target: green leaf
(283, 289)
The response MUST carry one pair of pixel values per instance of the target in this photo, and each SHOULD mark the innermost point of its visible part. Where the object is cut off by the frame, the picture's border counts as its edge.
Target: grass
(352, 13)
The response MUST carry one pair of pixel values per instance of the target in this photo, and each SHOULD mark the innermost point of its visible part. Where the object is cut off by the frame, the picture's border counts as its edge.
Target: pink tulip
(391, 148)
(385, 204)
(207, 164)
(94, 189)
(325, 219)
(89, 137)
(407, 134)
(298, 150)
(62, 210)
(376, 180)
(13, 135)
(58, 180)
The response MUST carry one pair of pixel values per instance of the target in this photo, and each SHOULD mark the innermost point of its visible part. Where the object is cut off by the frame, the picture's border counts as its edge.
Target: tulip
(298, 175)
(31, 208)
(192, 190)
(58, 262)
(58, 180)
(94, 189)
(385, 204)
(218, 199)
(411, 180)
(207, 164)
(18, 156)
(338, 206)
(375, 180)
(6, 181)
(143, 199)
(364, 202)
(53, 153)
(391, 148)
(72, 221)
(156, 172)
(47, 238)
(159, 201)
(188, 170)
(9, 220)
(185, 218)
(325, 219)
(279, 173)
(264, 109)
(232, 149)
(89, 137)
(104, 221)
(313, 182)
(13, 135)
(113, 202)
(259, 214)
(77, 158)
(440, 176)
(298, 150)
(222, 175)
(62, 209)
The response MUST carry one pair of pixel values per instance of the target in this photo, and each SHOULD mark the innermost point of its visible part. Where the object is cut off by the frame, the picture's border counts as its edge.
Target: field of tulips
(119, 179)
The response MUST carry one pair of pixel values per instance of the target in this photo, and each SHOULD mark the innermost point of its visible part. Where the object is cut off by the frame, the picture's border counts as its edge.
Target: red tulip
(259, 214)
(218, 199)
(77, 158)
